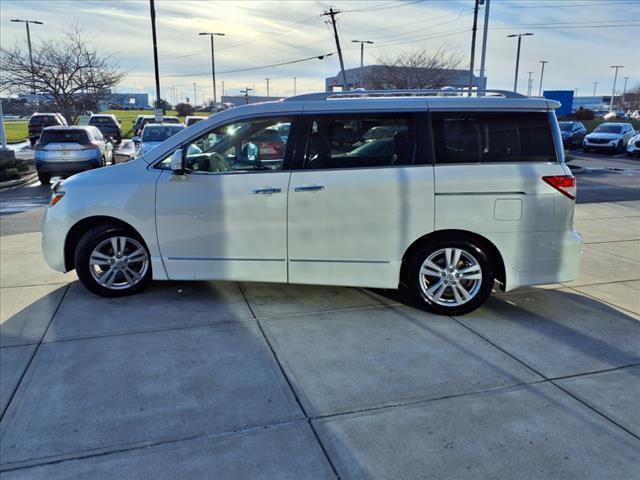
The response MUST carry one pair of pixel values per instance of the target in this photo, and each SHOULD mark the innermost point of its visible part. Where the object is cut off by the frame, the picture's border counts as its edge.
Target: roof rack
(443, 92)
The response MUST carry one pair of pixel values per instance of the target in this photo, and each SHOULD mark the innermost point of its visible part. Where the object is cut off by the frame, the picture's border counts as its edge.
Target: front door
(225, 218)
(358, 200)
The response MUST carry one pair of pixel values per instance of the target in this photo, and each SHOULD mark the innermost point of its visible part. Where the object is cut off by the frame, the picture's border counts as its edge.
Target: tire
(44, 178)
(620, 148)
(451, 299)
(104, 272)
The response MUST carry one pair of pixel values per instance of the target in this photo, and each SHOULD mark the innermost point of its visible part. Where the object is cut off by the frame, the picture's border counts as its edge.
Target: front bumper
(633, 148)
(613, 144)
(55, 227)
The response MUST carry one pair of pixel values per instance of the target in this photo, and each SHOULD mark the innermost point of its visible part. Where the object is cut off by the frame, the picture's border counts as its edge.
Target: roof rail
(443, 92)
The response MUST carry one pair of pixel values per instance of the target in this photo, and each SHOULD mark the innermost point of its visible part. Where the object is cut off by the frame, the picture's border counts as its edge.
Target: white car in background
(609, 136)
(633, 145)
(153, 134)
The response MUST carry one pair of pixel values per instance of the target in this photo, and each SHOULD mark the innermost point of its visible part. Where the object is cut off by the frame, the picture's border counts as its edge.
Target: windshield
(374, 147)
(63, 136)
(566, 126)
(608, 129)
(159, 134)
(101, 121)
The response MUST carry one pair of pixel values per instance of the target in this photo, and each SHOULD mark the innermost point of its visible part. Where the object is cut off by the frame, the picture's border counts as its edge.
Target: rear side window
(360, 141)
(461, 137)
(63, 136)
(101, 121)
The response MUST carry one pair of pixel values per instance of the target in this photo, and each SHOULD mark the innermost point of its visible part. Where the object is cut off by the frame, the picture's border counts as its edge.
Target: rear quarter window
(496, 137)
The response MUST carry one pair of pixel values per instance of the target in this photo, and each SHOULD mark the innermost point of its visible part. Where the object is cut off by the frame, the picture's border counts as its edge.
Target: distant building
(138, 100)
(238, 100)
(453, 77)
(599, 102)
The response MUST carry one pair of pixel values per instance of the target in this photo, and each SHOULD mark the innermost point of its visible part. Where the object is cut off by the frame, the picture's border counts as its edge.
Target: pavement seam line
(33, 354)
(293, 391)
(116, 449)
(575, 289)
(550, 380)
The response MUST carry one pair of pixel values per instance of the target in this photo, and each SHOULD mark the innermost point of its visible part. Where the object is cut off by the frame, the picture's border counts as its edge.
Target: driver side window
(244, 146)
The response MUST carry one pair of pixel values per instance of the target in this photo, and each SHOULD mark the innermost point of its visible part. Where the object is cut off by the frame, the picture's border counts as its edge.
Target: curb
(19, 181)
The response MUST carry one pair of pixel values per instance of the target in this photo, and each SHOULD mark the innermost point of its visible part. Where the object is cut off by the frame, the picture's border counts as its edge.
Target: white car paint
(353, 231)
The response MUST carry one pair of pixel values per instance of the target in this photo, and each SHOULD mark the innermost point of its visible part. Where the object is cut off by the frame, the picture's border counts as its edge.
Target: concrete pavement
(226, 380)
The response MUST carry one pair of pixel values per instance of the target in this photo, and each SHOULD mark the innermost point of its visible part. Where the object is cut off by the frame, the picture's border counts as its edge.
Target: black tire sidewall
(44, 178)
(473, 249)
(83, 252)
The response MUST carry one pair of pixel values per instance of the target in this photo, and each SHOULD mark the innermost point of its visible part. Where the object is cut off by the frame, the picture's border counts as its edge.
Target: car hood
(604, 136)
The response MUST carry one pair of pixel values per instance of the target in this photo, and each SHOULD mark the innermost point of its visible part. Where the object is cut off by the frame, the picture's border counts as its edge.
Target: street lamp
(213, 65)
(529, 84)
(615, 79)
(595, 84)
(267, 79)
(624, 90)
(543, 62)
(33, 77)
(519, 35)
(362, 42)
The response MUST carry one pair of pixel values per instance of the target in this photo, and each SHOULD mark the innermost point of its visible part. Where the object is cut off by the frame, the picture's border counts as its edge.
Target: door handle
(266, 190)
(310, 188)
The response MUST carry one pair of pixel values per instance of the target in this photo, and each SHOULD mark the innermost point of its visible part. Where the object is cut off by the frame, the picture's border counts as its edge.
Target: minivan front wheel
(111, 261)
(451, 277)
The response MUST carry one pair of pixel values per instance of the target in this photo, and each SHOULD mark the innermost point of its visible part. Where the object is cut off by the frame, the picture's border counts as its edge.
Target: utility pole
(543, 62)
(595, 84)
(195, 101)
(332, 13)
(519, 35)
(529, 84)
(33, 76)
(155, 55)
(360, 73)
(485, 33)
(615, 79)
(213, 66)
(267, 79)
(473, 45)
(246, 93)
(294, 85)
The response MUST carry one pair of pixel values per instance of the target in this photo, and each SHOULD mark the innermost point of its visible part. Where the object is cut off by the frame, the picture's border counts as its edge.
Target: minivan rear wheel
(112, 261)
(451, 277)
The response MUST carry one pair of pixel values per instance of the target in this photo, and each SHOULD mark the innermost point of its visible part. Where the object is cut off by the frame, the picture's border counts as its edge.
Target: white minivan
(465, 191)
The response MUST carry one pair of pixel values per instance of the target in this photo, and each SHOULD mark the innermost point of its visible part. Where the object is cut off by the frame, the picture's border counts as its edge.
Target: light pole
(615, 79)
(33, 77)
(519, 35)
(213, 65)
(267, 79)
(529, 84)
(294, 85)
(595, 84)
(361, 42)
(195, 101)
(543, 62)
(624, 90)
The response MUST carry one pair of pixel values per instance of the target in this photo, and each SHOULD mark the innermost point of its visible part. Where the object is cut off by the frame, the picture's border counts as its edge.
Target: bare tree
(70, 72)
(632, 98)
(413, 69)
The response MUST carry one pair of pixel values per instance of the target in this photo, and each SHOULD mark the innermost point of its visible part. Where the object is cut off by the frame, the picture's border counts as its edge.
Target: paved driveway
(226, 380)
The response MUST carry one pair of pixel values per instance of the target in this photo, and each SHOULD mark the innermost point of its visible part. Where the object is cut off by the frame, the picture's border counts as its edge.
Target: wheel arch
(492, 251)
(82, 226)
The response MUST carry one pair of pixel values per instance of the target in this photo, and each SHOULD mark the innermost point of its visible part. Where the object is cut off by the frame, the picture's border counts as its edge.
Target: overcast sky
(579, 38)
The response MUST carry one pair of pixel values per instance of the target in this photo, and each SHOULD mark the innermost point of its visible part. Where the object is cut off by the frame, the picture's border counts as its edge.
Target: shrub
(184, 109)
(585, 114)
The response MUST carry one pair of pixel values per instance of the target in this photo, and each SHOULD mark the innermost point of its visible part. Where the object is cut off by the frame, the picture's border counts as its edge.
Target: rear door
(356, 204)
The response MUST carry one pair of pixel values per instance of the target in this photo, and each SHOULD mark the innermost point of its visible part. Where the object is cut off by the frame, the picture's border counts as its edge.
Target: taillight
(57, 192)
(565, 184)
(89, 145)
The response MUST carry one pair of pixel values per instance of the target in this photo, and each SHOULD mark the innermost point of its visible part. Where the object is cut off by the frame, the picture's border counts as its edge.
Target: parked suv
(63, 151)
(108, 125)
(38, 121)
(467, 192)
(142, 120)
(572, 134)
(609, 136)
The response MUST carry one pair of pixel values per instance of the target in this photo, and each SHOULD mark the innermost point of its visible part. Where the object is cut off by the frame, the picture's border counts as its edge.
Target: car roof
(71, 127)
(164, 125)
(108, 115)
(615, 124)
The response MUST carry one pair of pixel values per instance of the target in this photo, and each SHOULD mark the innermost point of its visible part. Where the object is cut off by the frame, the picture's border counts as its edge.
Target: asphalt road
(601, 178)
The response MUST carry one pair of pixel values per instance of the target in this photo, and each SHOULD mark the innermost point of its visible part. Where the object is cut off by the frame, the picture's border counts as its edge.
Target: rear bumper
(67, 167)
(558, 258)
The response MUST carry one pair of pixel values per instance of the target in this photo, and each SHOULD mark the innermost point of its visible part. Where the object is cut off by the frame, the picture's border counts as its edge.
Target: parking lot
(227, 380)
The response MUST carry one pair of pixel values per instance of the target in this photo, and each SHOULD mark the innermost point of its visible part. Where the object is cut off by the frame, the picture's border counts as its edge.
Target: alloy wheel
(118, 263)
(450, 277)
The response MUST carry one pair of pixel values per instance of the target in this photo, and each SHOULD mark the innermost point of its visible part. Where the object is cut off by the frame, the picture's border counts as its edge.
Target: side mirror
(250, 153)
(177, 162)
(136, 139)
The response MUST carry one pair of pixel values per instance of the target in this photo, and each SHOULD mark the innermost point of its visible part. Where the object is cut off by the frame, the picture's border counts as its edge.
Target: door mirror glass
(250, 154)
(177, 163)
